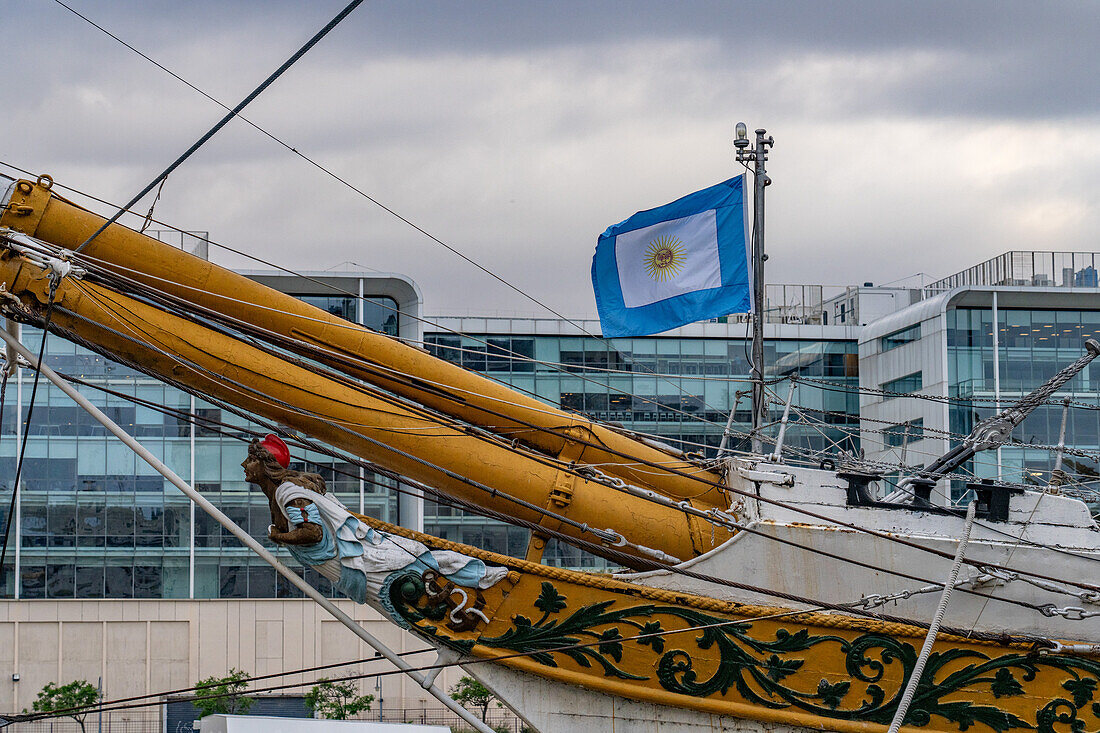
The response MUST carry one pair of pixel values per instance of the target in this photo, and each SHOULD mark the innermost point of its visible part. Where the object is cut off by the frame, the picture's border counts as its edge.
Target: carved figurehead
(268, 466)
(321, 533)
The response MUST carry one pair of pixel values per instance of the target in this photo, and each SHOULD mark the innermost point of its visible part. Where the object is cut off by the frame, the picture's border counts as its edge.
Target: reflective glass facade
(379, 312)
(679, 389)
(1033, 345)
(94, 521)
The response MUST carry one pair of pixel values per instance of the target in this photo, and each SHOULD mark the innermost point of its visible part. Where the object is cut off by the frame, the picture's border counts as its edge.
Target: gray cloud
(916, 136)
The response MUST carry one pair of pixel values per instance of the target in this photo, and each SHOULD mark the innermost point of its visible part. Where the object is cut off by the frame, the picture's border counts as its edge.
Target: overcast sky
(915, 137)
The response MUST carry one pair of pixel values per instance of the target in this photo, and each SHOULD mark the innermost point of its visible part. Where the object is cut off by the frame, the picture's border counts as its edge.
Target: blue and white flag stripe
(676, 264)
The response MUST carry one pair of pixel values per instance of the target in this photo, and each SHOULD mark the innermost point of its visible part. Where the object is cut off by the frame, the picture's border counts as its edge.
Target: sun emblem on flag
(664, 257)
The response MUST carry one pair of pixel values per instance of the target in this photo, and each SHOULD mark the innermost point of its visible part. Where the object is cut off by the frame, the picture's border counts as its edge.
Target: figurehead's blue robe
(358, 559)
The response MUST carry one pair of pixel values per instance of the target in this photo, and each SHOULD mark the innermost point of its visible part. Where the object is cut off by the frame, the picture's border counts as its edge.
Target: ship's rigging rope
(832, 386)
(112, 275)
(775, 502)
(532, 526)
(511, 354)
(326, 171)
(874, 391)
(256, 395)
(126, 703)
(934, 628)
(224, 120)
(131, 284)
(708, 518)
(55, 281)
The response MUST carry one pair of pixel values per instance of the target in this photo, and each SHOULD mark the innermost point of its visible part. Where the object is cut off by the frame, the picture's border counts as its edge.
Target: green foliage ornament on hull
(961, 688)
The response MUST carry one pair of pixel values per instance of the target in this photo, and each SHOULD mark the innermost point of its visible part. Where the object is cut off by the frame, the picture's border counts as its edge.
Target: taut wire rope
(800, 510)
(225, 120)
(312, 445)
(294, 150)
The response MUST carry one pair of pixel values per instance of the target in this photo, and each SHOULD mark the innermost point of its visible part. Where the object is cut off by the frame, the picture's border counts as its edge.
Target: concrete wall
(140, 647)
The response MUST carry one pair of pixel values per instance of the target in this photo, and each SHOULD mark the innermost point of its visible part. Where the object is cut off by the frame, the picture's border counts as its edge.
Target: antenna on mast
(758, 156)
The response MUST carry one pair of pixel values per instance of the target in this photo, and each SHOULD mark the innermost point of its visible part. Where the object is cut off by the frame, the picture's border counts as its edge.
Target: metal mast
(758, 156)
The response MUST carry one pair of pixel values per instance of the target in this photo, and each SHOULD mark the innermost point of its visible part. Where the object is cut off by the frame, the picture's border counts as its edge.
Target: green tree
(468, 692)
(76, 698)
(336, 700)
(223, 695)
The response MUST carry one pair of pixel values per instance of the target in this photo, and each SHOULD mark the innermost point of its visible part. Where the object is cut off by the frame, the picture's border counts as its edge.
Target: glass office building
(1032, 345)
(678, 388)
(95, 521)
(975, 343)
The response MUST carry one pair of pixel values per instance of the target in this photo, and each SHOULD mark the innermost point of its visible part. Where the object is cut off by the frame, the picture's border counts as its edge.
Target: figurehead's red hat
(277, 448)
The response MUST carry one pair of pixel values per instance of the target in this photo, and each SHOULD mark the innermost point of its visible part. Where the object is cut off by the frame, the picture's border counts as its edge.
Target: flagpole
(760, 180)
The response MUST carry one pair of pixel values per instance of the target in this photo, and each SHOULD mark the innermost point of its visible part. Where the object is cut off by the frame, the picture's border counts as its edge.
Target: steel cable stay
(438, 421)
(164, 300)
(787, 596)
(508, 352)
(537, 455)
(117, 704)
(55, 281)
(776, 502)
(452, 501)
(445, 387)
(477, 432)
(945, 433)
(106, 271)
(837, 387)
(233, 431)
(261, 397)
(706, 517)
(311, 161)
(833, 443)
(446, 422)
(695, 417)
(892, 429)
(225, 120)
(64, 712)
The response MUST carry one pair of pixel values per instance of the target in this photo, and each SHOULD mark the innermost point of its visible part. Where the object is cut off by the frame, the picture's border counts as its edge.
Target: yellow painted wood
(383, 360)
(339, 412)
(1017, 680)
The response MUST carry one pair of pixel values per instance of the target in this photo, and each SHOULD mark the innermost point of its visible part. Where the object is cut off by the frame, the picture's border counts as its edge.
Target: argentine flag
(679, 263)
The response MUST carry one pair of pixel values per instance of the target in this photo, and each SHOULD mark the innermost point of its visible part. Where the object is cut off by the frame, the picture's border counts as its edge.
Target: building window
(907, 432)
(905, 385)
(344, 306)
(379, 313)
(900, 338)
